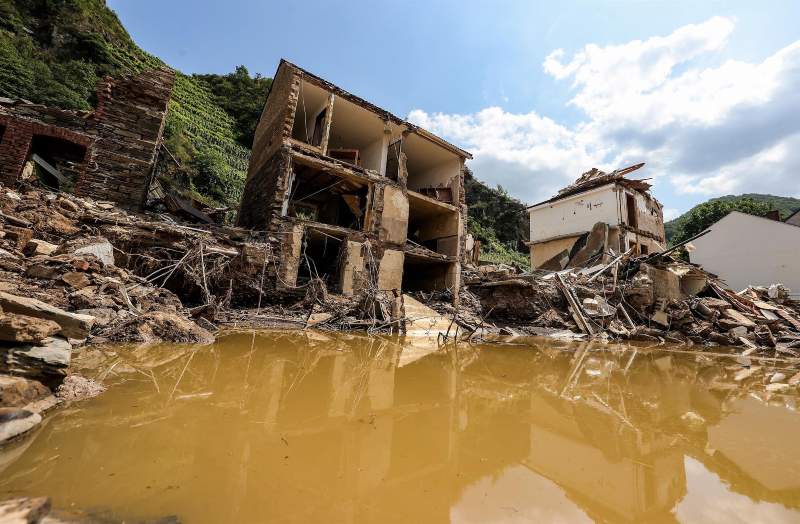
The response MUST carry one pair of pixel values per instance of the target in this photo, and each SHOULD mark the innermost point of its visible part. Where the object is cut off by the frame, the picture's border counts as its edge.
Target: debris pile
(74, 270)
(654, 298)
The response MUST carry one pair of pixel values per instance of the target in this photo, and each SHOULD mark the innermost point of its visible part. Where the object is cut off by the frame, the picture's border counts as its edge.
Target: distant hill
(786, 206)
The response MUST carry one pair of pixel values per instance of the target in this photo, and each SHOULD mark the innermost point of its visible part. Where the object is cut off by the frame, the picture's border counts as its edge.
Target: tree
(706, 214)
(242, 97)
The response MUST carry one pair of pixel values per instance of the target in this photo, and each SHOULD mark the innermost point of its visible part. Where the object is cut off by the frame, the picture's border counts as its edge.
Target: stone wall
(121, 136)
(130, 121)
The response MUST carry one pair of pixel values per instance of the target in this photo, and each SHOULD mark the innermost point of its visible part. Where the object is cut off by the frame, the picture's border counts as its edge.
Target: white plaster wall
(649, 215)
(575, 214)
(373, 155)
(743, 250)
(442, 174)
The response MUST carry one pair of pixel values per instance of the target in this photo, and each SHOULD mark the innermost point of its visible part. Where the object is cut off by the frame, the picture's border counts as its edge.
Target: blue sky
(701, 91)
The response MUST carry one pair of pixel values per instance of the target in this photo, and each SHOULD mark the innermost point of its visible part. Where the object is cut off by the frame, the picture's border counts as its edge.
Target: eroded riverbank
(309, 426)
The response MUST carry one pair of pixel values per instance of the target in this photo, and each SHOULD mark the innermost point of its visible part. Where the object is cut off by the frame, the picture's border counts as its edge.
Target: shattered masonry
(106, 154)
(347, 186)
(563, 226)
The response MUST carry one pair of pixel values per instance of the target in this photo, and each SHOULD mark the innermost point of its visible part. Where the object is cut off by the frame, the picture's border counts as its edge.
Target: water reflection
(298, 427)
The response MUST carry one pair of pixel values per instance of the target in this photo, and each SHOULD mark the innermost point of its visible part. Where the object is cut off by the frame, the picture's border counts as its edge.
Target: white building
(634, 217)
(744, 249)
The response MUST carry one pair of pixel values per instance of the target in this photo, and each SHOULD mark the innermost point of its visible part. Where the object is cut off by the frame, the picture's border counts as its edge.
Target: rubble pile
(75, 271)
(657, 298)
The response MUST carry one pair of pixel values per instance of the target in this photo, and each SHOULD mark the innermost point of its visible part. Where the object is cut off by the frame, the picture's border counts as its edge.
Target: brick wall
(121, 136)
(269, 161)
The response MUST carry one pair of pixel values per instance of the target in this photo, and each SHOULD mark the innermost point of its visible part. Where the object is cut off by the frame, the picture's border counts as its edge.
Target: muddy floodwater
(318, 427)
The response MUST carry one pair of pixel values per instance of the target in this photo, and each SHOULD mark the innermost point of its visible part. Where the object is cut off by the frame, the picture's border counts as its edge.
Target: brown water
(305, 427)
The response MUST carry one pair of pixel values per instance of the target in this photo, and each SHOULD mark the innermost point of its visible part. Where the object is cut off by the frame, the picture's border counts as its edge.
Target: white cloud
(728, 128)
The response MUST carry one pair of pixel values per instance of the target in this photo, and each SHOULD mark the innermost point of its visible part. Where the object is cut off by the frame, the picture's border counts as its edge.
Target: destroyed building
(352, 190)
(106, 154)
(560, 226)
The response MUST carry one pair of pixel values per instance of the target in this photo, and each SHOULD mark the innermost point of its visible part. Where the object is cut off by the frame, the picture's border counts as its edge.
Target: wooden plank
(50, 169)
(574, 306)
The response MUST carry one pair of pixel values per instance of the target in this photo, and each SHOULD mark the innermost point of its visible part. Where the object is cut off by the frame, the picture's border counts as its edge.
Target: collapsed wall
(107, 154)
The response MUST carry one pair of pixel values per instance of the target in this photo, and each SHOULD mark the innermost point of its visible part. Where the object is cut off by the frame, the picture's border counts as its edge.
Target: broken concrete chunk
(597, 307)
(22, 328)
(36, 247)
(96, 246)
(15, 422)
(594, 247)
(72, 325)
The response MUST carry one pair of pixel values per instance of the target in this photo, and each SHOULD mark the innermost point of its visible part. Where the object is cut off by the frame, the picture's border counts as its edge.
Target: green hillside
(749, 202)
(55, 51)
(499, 221)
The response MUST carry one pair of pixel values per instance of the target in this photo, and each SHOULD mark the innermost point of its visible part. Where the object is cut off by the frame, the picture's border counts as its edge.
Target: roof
(752, 217)
(595, 178)
(375, 109)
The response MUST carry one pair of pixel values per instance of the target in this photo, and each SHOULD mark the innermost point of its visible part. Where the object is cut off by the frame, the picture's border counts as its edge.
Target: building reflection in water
(351, 428)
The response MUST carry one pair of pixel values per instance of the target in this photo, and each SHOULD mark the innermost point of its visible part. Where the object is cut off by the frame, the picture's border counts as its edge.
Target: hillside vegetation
(499, 221)
(703, 215)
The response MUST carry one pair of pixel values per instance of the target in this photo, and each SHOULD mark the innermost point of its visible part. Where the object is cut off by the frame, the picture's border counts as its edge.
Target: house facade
(635, 219)
(354, 193)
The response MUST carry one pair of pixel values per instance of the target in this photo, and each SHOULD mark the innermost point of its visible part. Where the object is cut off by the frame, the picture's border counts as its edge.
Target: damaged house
(565, 228)
(353, 193)
(106, 154)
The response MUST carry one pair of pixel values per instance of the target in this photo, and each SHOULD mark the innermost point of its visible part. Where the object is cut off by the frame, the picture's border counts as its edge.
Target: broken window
(357, 136)
(642, 249)
(432, 225)
(432, 170)
(309, 117)
(320, 196)
(2, 132)
(630, 205)
(320, 257)
(55, 161)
